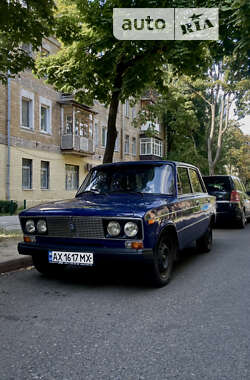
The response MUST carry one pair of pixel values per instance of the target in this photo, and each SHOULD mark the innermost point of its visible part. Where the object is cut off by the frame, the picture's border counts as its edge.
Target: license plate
(73, 258)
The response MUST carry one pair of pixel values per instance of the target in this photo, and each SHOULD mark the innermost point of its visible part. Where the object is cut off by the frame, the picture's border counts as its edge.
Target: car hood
(95, 205)
(133, 205)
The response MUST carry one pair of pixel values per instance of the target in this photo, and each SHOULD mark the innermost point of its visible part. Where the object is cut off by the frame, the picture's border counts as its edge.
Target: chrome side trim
(192, 224)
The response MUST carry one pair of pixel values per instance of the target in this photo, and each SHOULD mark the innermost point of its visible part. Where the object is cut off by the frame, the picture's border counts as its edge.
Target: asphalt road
(116, 327)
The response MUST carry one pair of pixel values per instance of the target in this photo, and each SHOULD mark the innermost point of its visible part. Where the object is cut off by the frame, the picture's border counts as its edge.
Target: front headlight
(41, 226)
(131, 229)
(30, 226)
(114, 228)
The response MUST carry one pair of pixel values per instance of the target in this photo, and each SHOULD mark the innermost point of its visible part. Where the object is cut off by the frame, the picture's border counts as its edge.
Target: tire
(243, 220)
(43, 266)
(162, 266)
(204, 244)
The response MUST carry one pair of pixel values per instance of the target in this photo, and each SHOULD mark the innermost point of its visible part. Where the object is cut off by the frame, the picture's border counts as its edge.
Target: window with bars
(72, 177)
(26, 174)
(45, 175)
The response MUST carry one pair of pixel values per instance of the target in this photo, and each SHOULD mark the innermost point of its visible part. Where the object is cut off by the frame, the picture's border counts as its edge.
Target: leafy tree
(236, 155)
(223, 86)
(22, 22)
(94, 65)
(177, 114)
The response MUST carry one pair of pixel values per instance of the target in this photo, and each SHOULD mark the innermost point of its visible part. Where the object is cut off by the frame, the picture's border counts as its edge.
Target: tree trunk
(113, 108)
(210, 140)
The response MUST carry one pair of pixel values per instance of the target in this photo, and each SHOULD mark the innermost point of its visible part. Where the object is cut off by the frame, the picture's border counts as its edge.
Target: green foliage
(8, 207)
(236, 154)
(22, 22)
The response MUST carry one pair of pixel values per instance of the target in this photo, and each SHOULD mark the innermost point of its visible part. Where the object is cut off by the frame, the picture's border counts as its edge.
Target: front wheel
(43, 266)
(162, 266)
(204, 244)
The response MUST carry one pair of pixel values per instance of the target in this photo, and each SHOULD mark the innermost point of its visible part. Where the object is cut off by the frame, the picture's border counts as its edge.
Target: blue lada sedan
(140, 210)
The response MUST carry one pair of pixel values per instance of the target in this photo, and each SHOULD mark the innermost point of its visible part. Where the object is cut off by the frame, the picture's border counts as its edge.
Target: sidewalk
(9, 256)
(10, 223)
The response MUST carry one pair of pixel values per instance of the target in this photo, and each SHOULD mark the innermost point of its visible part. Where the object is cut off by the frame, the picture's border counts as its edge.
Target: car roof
(145, 162)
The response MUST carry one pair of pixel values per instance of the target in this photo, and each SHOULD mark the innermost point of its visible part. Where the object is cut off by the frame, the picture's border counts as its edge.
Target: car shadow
(128, 274)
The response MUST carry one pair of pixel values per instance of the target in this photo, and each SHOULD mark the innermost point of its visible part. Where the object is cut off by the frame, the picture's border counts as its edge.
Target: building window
(27, 109)
(150, 146)
(134, 146)
(72, 177)
(117, 143)
(82, 123)
(126, 145)
(45, 115)
(145, 146)
(96, 133)
(68, 125)
(126, 108)
(44, 119)
(26, 174)
(44, 175)
(104, 136)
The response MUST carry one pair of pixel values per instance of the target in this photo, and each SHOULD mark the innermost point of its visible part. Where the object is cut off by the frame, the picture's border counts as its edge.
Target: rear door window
(195, 180)
(184, 186)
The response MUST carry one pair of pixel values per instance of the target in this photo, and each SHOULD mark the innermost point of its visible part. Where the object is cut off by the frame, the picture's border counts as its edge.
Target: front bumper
(100, 253)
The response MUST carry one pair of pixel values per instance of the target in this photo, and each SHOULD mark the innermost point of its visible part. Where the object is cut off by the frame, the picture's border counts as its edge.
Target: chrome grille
(75, 227)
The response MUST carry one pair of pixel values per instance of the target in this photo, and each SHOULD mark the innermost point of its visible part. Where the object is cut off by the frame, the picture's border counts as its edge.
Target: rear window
(217, 184)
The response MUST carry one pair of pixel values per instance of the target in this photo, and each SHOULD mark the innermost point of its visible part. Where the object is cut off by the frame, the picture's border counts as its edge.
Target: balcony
(77, 130)
(79, 145)
(151, 148)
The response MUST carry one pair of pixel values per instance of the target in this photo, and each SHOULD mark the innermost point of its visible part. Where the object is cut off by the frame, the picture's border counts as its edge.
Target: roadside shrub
(7, 207)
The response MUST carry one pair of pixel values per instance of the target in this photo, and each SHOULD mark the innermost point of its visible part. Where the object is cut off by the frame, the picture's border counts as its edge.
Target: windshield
(132, 178)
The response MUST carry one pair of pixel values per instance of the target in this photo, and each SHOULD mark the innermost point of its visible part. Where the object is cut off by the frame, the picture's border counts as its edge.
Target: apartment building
(49, 142)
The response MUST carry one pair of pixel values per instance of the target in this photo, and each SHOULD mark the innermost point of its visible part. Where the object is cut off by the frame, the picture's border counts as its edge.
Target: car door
(185, 207)
(202, 203)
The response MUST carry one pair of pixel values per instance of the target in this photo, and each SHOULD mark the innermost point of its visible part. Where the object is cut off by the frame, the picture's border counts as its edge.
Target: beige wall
(57, 175)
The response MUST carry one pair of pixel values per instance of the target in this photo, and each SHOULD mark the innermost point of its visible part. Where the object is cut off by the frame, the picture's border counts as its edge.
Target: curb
(14, 264)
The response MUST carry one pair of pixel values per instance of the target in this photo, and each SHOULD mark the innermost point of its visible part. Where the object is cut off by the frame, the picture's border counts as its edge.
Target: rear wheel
(162, 266)
(43, 266)
(204, 244)
(243, 220)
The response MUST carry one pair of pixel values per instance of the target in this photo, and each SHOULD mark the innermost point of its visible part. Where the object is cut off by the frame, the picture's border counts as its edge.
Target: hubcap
(163, 258)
